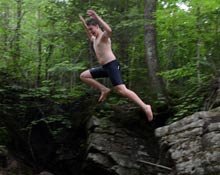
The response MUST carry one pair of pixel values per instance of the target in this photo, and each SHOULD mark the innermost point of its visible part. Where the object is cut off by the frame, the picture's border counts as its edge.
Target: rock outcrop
(192, 145)
(114, 148)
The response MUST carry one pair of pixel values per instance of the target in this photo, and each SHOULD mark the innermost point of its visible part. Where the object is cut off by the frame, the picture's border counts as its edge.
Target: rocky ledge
(116, 149)
(192, 145)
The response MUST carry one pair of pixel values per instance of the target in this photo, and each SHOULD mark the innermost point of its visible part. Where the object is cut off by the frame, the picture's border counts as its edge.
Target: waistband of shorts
(111, 62)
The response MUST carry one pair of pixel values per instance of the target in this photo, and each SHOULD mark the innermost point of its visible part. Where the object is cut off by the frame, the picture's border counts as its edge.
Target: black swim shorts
(111, 70)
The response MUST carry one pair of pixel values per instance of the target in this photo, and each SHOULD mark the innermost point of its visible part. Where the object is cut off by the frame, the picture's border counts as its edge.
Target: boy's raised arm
(85, 27)
(105, 26)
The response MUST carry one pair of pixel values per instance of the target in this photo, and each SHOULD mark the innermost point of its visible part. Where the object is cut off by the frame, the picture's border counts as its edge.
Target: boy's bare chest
(96, 43)
(101, 44)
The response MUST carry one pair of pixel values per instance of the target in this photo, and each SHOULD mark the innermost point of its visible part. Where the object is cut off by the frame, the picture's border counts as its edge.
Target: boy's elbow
(109, 31)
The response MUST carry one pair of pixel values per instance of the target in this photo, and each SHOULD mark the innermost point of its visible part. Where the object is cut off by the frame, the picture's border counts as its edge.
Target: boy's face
(93, 29)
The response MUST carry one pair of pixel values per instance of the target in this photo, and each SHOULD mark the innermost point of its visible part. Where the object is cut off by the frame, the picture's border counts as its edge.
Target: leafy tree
(188, 49)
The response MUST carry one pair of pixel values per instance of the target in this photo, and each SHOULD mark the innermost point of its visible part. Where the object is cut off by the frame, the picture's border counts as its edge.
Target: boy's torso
(103, 50)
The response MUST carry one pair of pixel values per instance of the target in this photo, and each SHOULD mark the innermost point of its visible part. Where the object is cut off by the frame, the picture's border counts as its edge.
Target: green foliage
(56, 123)
(48, 52)
(3, 150)
(66, 66)
(187, 51)
(4, 138)
(190, 102)
(179, 73)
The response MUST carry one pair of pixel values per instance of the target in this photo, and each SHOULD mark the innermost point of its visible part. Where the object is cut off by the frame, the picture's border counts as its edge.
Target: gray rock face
(192, 144)
(45, 173)
(114, 150)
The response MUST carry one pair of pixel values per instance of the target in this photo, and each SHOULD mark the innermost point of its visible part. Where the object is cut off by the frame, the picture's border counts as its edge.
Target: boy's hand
(92, 13)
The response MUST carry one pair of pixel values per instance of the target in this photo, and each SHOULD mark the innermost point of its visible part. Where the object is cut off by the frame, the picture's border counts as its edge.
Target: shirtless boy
(109, 65)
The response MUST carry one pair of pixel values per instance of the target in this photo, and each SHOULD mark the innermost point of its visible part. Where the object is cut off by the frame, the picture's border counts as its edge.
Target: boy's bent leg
(121, 89)
(87, 78)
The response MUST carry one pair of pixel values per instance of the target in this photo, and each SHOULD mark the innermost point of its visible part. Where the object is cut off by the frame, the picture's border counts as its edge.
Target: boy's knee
(83, 75)
(121, 90)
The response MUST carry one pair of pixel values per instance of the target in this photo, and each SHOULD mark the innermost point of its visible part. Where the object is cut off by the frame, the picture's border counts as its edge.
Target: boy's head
(92, 22)
(94, 26)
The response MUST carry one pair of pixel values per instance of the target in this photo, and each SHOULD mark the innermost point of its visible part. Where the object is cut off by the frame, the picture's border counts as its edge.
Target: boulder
(45, 173)
(192, 144)
(114, 149)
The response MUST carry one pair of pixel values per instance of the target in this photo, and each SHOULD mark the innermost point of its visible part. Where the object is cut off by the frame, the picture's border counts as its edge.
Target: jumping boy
(109, 65)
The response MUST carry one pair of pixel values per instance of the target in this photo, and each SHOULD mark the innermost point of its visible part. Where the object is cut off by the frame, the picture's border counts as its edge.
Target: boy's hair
(92, 22)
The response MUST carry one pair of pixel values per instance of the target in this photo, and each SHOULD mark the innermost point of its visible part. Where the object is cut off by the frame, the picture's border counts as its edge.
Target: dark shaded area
(43, 133)
(52, 135)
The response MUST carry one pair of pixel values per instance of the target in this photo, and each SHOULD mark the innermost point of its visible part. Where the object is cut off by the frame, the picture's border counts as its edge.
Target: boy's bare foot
(148, 112)
(104, 94)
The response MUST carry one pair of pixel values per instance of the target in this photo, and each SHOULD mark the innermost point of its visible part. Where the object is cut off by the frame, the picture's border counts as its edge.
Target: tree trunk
(198, 46)
(49, 49)
(5, 28)
(17, 50)
(156, 84)
(39, 43)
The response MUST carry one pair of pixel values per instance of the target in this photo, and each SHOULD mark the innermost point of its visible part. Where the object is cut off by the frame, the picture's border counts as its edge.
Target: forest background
(43, 49)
